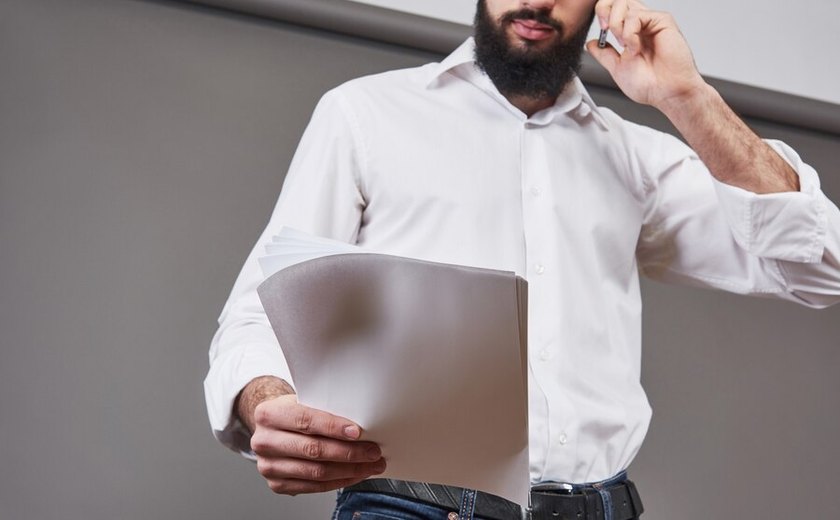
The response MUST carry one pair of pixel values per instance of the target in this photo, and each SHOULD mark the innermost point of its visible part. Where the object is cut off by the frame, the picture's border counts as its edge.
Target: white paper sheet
(429, 359)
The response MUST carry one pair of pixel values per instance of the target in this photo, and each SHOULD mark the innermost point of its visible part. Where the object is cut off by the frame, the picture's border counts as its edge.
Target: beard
(529, 70)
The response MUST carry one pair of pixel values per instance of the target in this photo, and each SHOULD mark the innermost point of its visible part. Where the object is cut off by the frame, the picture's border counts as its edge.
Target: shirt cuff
(228, 375)
(787, 226)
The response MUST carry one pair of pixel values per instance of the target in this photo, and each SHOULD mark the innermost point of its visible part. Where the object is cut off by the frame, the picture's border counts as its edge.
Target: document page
(429, 359)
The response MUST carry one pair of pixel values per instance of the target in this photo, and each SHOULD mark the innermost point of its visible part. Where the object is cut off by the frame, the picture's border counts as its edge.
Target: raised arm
(657, 68)
(785, 233)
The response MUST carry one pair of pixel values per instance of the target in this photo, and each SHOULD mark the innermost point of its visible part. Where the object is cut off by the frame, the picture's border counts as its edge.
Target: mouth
(531, 30)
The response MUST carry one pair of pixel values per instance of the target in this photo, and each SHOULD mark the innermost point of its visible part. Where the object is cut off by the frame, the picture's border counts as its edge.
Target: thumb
(608, 57)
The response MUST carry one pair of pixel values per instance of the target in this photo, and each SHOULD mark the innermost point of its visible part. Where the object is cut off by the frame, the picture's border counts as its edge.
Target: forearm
(733, 153)
(255, 392)
(657, 68)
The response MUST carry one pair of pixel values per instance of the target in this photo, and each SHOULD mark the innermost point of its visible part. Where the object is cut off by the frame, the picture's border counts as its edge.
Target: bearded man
(497, 157)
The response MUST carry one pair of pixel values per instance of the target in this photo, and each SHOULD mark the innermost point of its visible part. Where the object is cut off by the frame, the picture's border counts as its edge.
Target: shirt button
(539, 268)
(536, 192)
(563, 439)
(545, 354)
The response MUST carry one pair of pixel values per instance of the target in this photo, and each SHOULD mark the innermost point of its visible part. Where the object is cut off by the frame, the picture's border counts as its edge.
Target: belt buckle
(560, 488)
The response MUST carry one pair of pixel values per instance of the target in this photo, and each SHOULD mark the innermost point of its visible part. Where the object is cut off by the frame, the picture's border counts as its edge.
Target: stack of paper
(429, 359)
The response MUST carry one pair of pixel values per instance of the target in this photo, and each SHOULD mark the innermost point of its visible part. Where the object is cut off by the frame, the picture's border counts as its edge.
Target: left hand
(656, 67)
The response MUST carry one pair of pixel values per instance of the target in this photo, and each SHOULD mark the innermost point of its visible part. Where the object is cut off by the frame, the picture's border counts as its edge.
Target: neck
(530, 105)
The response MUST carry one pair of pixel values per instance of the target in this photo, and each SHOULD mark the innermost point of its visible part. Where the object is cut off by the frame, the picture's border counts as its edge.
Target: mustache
(542, 17)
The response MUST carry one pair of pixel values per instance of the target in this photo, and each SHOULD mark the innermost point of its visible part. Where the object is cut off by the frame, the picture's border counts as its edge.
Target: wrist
(690, 100)
(258, 390)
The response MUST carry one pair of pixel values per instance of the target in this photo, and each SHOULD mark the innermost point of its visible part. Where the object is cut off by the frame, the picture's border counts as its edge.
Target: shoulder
(653, 147)
(636, 135)
(383, 85)
(643, 154)
(379, 101)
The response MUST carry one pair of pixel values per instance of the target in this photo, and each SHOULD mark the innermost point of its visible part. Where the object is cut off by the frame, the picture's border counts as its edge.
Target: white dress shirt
(434, 163)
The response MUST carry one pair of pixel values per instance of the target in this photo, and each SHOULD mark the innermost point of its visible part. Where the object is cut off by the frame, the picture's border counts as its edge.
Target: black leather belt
(581, 504)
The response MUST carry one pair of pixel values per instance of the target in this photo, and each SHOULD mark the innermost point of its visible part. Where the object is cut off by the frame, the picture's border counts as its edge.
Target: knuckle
(602, 8)
(258, 442)
(351, 455)
(303, 420)
(333, 426)
(317, 472)
(312, 449)
(262, 414)
(263, 466)
(278, 486)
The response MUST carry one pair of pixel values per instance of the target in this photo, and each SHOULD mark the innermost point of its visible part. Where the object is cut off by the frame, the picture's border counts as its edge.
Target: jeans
(362, 505)
(356, 505)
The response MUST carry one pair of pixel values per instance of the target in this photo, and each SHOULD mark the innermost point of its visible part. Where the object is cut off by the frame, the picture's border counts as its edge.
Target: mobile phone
(602, 40)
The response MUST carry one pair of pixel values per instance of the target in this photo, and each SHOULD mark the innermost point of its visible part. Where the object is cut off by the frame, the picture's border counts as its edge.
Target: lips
(531, 30)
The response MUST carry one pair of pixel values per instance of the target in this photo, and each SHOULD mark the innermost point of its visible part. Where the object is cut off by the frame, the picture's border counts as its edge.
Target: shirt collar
(463, 54)
(575, 98)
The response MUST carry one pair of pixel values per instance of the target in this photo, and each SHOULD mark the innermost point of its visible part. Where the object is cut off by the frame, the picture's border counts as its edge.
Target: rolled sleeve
(787, 226)
(227, 376)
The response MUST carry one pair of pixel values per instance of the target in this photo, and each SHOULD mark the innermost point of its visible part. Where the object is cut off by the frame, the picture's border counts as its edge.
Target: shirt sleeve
(321, 196)
(699, 231)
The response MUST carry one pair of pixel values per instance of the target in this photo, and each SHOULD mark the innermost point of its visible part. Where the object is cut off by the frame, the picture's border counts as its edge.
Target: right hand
(303, 450)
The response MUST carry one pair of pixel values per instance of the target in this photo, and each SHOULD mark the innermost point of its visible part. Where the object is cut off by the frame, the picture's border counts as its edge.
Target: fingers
(616, 19)
(608, 57)
(284, 413)
(304, 450)
(273, 443)
(631, 37)
(307, 470)
(602, 11)
(614, 15)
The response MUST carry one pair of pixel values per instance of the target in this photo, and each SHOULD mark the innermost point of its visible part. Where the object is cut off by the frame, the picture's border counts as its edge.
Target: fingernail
(373, 453)
(380, 467)
(352, 431)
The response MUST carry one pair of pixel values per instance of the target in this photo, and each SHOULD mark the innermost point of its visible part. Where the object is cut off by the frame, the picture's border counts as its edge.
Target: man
(497, 157)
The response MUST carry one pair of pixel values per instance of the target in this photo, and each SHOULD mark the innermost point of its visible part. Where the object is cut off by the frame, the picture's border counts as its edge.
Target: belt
(577, 503)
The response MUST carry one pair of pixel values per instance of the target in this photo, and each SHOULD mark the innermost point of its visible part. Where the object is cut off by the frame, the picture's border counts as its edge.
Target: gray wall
(142, 146)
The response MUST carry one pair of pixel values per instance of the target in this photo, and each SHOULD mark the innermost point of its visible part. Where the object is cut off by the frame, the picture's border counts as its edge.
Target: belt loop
(606, 501)
(527, 512)
(588, 512)
(467, 505)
